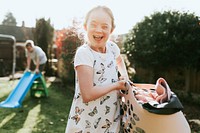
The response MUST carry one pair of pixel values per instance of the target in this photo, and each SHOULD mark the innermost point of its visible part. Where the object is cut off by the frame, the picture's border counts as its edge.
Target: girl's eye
(104, 27)
(92, 25)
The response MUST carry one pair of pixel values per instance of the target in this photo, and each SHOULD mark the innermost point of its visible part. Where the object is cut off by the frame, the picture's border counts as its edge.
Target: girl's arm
(122, 68)
(90, 92)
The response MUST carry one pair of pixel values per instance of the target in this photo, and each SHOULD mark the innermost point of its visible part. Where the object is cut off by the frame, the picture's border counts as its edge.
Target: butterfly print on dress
(111, 64)
(76, 118)
(96, 123)
(77, 96)
(88, 124)
(113, 80)
(114, 54)
(101, 79)
(103, 99)
(93, 112)
(78, 110)
(102, 71)
(117, 118)
(94, 63)
(107, 126)
(107, 109)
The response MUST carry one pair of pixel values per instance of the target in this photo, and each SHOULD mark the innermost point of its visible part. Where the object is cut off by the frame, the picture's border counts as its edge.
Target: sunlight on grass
(8, 118)
(7, 86)
(31, 120)
(37, 115)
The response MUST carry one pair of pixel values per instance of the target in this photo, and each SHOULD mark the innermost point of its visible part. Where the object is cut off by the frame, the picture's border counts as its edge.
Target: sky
(61, 12)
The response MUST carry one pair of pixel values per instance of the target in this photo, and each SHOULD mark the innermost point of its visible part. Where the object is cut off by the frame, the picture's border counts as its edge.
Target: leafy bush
(164, 41)
(67, 41)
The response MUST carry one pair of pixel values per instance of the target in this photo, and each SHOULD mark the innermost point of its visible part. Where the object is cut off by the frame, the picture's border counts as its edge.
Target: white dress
(103, 114)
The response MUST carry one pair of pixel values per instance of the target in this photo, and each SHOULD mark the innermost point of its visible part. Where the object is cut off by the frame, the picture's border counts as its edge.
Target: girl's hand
(124, 78)
(127, 79)
(121, 85)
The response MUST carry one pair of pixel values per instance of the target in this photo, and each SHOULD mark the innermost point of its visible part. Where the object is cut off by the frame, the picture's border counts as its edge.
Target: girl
(95, 107)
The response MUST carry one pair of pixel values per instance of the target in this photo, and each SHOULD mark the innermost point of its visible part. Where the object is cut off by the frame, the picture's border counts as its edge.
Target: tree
(43, 36)
(9, 20)
(165, 40)
(67, 41)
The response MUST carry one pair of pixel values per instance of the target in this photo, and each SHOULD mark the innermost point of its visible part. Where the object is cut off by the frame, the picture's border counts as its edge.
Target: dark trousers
(41, 67)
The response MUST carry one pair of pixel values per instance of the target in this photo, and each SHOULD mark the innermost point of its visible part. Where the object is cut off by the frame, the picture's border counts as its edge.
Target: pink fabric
(137, 119)
(161, 94)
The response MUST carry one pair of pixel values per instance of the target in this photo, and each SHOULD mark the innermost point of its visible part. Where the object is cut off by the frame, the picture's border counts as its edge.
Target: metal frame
(14, 51)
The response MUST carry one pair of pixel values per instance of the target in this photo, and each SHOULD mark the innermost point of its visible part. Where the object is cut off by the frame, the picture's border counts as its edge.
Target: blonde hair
(105, 9)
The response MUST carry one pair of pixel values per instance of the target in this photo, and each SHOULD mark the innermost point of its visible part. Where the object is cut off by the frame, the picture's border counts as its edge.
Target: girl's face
(98, 27)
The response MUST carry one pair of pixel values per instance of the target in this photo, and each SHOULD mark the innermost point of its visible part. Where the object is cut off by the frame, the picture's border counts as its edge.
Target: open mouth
(98, 38)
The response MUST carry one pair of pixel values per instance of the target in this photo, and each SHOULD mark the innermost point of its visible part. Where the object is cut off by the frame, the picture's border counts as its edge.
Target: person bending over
(36, 54)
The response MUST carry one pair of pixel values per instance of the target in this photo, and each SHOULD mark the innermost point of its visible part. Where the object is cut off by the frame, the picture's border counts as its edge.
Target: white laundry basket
(136, 119)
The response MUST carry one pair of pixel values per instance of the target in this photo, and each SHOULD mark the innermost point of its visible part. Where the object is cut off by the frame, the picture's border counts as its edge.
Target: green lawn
(48, 115)
(37, 115)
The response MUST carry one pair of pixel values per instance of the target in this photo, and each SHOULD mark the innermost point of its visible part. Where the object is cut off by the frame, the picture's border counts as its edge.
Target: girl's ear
(112, 30)
(85, 27)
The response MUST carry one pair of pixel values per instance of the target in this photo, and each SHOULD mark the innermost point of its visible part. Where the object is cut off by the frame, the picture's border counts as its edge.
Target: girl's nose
(98, 29)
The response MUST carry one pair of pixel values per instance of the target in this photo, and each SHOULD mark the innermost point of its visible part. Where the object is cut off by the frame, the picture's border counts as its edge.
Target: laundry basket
(136, 119)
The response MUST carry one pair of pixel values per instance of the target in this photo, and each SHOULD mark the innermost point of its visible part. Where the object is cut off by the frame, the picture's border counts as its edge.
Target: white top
(37, 51)
(103, 114)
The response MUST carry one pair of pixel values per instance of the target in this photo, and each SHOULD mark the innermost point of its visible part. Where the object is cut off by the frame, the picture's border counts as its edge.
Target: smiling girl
(95, 107)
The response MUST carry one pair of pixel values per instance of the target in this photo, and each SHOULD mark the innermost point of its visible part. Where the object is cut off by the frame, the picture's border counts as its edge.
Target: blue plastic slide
(16, 97)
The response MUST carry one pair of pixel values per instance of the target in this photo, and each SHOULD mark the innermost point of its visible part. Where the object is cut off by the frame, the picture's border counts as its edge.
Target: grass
(41, 115)
(37, 115)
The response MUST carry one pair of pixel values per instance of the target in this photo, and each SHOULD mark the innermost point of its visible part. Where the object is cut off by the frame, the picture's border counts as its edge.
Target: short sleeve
(114, 47)
(83, 56)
